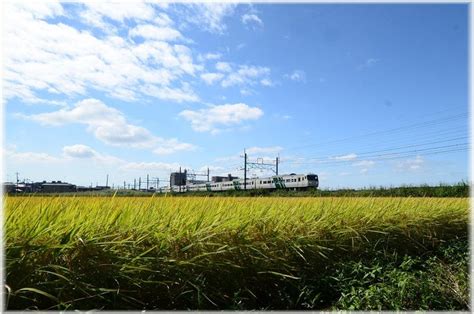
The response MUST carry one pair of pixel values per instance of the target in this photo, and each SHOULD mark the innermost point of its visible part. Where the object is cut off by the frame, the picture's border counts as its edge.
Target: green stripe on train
(279, 182)
(236, 185)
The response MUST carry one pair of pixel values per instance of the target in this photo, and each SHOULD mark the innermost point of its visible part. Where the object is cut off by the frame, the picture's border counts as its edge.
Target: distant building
(227, 178)
(178, 178)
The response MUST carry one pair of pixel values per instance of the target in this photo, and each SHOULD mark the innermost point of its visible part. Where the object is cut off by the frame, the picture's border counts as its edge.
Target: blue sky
(363, 95)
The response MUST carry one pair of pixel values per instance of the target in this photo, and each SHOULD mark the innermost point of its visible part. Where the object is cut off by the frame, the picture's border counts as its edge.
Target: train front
(313, 180)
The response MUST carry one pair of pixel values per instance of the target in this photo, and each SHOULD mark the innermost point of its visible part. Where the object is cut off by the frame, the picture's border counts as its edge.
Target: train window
(299, 179)
(312, 177)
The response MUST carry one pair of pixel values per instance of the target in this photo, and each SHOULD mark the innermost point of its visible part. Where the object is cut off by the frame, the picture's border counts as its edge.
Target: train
(291, 181)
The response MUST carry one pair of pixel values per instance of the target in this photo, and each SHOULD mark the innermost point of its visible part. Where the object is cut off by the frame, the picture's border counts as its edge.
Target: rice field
(215, 252)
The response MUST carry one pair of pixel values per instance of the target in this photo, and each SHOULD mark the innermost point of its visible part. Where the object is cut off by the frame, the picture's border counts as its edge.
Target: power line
(396, 148)
(411, 153)
(388, 131)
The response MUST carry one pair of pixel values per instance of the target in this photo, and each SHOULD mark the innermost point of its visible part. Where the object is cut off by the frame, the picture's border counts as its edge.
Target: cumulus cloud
(108, 125)
(211, 78)
(213, 118)
(79, 151)
(58, 59)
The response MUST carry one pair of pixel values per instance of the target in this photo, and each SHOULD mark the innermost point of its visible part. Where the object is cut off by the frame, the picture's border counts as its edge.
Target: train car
(291, 181)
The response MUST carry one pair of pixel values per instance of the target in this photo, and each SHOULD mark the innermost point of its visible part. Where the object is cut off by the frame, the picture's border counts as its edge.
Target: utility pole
(124, 185)
(179, 182)
(139, 183)
(245, 170)
(276, 163)
(207, 174)
(107, 181)
(17, 181)
(134, 184)
(147, 182)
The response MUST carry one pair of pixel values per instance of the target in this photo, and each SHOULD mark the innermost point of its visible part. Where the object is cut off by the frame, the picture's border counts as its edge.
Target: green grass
(235, 253)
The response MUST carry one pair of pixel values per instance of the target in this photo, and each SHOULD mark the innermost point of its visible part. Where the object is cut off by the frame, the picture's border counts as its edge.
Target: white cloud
(214, 117)
(266, 82)
(153, 32)
(223, 66)
(411, 164)
(162, 19)
(297, 76)
(208, 16)
(251, 19)
(26, 157)
(246, 91)
(56, 58)
(209, 56)
(211, 78)
(40, 9)
(166, 147)
(347, 157)
(108, 125)
(264, 150)
(365, 165)
(121, 11)
(247, 75)
(185, 93)
(79, 151)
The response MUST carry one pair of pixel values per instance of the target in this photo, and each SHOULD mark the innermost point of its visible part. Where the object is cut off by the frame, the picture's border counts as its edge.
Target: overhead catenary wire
(392, 148)
(381, 157)
(385, 132)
